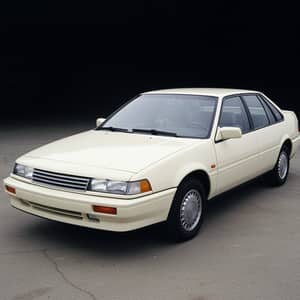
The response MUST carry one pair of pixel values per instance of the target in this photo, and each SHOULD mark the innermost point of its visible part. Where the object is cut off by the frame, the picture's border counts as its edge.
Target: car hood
(126, 152)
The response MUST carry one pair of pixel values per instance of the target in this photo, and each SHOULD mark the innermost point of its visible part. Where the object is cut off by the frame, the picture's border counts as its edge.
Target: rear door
(237, 158)
(267, 126)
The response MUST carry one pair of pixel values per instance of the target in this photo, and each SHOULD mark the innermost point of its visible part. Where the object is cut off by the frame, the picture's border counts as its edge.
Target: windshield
(165, 114)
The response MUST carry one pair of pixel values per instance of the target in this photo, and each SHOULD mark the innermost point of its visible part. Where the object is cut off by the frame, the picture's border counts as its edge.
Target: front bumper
(73, 208)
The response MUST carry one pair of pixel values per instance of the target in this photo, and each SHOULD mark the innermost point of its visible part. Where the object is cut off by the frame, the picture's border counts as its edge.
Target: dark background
(82, 59)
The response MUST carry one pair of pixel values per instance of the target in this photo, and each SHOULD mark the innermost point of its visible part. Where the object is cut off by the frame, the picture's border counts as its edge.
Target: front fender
(194, 167)
(169, 172)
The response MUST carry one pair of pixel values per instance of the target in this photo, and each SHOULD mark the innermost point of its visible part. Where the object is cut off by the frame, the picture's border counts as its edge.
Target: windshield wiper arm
(154, 131)
(110, 128)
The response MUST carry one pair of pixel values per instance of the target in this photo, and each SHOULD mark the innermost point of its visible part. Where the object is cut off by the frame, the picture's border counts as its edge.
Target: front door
(237, 159)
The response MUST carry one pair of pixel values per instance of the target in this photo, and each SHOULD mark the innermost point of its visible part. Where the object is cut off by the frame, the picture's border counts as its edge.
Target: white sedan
(159, 158)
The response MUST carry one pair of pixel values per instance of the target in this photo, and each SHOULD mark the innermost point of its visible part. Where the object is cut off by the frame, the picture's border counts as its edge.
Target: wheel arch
(200, 175)
(288, 143)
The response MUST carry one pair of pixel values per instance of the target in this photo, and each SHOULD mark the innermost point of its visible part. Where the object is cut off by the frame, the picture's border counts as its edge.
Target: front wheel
(279, 174)
(187, 211)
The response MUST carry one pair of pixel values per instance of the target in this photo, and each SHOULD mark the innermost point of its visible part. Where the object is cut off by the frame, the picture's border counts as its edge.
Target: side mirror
(99, 121)
(225, 133)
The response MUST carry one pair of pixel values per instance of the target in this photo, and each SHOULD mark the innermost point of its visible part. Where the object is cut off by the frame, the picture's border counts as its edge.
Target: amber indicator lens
(105, 209)
(145, 186)
(10, 189)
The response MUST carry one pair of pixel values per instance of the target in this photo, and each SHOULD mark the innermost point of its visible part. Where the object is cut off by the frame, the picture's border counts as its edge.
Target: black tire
(273, 178)
(175, 228)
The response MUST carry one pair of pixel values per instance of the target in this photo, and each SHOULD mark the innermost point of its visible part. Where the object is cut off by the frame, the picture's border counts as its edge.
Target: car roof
(217, 92)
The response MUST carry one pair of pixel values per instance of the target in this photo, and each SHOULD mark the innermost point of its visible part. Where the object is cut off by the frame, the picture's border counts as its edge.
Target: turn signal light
(145, 186)
(10, 189)
(105, 209)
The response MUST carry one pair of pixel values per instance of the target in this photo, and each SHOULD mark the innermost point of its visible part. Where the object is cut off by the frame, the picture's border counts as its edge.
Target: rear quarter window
(269, 112)
(278, 115)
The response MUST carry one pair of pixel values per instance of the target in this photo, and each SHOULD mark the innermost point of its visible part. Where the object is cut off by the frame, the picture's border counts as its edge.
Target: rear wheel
(187, 211)
(279, 174)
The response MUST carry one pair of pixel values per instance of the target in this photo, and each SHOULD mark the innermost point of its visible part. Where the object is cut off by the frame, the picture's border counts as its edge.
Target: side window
(275, 111)
(234, 114)
(268, 111)
(257, 111)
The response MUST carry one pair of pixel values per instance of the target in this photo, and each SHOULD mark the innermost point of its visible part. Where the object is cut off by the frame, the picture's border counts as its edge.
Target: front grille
(60, 180)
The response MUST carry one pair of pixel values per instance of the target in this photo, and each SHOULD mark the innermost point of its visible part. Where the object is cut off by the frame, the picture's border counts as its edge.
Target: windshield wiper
(110, 128)
(151, 131)
(154, 131)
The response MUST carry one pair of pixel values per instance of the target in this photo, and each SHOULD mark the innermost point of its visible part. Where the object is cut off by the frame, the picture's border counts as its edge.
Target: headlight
(23, 171)
(120, 187)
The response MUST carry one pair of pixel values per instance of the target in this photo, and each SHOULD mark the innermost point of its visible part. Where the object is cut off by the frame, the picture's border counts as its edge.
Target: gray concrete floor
(248, 248)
